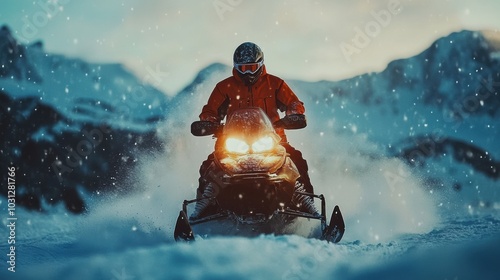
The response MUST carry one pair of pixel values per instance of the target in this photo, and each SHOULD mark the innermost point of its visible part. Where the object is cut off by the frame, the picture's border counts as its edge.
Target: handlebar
(206, 128)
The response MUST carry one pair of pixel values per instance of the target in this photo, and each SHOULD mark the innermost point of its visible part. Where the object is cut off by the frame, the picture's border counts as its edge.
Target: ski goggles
(251, 68)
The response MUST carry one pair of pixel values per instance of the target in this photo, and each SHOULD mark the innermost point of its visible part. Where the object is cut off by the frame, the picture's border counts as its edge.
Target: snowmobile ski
(183, 230)
(335, 230)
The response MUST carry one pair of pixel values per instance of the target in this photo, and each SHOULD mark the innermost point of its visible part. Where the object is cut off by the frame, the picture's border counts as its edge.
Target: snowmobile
(255, 183)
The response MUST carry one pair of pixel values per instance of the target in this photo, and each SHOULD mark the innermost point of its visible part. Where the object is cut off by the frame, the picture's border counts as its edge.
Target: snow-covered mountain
(438, 110)
(396, 150)
(69, 125)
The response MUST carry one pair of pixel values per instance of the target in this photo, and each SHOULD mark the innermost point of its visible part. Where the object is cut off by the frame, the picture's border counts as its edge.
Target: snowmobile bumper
(332, 232)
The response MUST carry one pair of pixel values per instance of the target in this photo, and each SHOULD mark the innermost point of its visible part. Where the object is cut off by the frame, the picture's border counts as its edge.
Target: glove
(295, 121)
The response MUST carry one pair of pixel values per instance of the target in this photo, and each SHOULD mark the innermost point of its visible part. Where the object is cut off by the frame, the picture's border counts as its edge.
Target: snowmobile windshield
(249, 144)
(249, 125)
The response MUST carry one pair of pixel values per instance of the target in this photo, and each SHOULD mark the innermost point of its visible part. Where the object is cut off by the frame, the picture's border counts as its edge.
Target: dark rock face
(52, 165)
(14, 60)
(428, 147)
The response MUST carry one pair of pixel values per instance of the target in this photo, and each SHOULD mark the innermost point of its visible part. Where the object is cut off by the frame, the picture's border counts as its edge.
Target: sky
(166, 43)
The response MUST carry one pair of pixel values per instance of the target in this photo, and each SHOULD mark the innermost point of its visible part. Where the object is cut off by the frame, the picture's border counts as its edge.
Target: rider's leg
(301, 164)
(202, 182)
(202, 206)
(303, 202)
(205, 189)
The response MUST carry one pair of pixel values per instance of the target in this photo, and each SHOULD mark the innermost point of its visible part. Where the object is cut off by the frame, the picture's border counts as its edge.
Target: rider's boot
(304, 202)
(203, 204)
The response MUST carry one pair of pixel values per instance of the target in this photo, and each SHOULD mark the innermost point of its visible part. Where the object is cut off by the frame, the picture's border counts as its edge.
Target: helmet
(248, 60)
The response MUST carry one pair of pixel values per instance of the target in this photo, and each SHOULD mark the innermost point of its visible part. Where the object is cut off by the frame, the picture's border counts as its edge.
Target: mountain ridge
(438, 110)
(77, 127)
(448, 91)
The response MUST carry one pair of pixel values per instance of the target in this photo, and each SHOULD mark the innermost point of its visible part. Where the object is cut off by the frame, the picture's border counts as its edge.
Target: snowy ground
(131, 238)
(395, 228)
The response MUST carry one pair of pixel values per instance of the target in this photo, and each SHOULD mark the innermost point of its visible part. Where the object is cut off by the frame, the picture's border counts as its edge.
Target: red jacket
(269, 93)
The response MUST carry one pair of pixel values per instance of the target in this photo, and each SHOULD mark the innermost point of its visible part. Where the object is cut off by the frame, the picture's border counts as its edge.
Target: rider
(251, 86)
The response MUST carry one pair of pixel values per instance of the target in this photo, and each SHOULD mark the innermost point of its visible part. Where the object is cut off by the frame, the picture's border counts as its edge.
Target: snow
(397, 227)
(113, 246)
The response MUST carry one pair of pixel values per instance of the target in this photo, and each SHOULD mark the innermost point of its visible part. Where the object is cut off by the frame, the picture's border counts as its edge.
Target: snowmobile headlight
(264, 144)
(234, 145)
